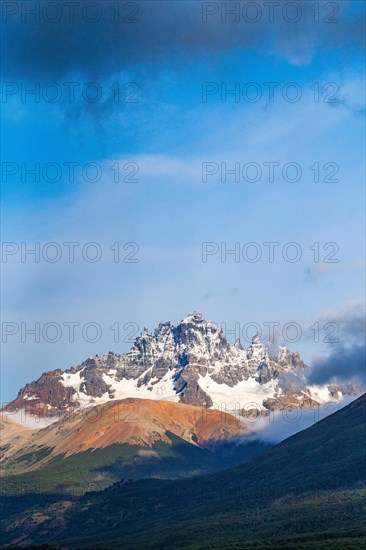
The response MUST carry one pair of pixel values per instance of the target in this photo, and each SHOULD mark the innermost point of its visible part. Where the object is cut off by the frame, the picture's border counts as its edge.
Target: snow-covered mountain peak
(256, 340)
(163, 328)
(257, 350)
(196, 321)
(194, 317)
(238, 345)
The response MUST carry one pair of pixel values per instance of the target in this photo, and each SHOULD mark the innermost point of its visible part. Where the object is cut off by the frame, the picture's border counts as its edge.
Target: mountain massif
(191, 363)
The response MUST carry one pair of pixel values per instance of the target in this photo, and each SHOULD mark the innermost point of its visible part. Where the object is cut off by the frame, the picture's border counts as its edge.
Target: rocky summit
(191, 363)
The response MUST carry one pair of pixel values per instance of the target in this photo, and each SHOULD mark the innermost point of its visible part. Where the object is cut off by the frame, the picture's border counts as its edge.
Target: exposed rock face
(192, 363)
(48, 392)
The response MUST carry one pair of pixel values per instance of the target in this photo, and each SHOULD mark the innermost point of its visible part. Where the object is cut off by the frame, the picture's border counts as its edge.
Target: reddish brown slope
(133, 421)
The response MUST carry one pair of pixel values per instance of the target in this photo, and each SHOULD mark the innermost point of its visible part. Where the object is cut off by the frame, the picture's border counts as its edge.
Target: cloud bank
(347, 355)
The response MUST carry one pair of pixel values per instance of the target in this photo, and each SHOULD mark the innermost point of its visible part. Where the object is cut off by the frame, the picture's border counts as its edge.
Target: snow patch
(122, 389)
(244, 393)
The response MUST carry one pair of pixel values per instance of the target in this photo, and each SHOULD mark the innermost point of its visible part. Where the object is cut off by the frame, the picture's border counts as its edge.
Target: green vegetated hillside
(99, 468)
(307, 492)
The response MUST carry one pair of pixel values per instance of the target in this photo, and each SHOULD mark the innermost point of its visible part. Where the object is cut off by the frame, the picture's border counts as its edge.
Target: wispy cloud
(224, 292)
(284, 424)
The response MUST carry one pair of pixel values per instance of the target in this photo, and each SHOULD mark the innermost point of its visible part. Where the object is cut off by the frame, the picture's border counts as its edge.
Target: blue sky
(168, 133)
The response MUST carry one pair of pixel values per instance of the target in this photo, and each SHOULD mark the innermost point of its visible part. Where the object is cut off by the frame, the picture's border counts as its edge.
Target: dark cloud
(347, 357)
(74, 45)
(342, 364)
